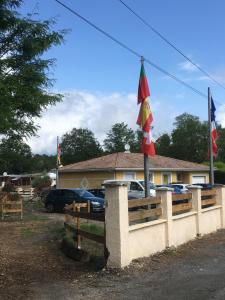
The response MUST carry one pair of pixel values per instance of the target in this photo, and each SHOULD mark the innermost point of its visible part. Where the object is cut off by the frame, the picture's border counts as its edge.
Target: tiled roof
(129, 161)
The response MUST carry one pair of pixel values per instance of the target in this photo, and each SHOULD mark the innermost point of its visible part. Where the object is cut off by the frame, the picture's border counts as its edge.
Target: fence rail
(91, 236)
(143, 202)
(181, 203)
(182, 207)
(186, 196)
(72, 222)
(146, 207)
(85, 215)
(25, 192)
(208, 198)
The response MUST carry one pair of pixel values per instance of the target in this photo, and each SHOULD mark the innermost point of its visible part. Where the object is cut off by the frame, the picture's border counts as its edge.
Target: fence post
(197, 206)
(220, 199)
(78, 230)
(166, 204)
(117, 224)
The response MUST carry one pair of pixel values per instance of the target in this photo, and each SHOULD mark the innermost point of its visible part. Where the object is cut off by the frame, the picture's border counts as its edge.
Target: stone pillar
(117, 224)
(220, 198)
(197, 206)
(166, 204)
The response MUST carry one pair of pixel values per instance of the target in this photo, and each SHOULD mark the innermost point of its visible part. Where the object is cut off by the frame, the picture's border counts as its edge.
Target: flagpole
(146, 164)
(57, 164)
(146, 174)
(211, 174)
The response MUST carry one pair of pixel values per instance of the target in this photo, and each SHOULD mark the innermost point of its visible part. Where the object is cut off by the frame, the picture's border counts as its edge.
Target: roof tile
(123, 160)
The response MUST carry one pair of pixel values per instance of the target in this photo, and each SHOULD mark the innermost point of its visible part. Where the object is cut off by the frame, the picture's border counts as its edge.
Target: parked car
(182, 186)
(97, 192)
(205, 186)
(58, 198)
(131, 194)
(176, 190)
(137, 187)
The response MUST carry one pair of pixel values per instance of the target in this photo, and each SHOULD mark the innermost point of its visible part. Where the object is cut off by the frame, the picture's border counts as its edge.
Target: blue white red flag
(213, 126)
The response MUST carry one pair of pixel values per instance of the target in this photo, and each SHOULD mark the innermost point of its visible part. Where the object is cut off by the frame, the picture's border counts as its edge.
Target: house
(24, 180)
(91, 173)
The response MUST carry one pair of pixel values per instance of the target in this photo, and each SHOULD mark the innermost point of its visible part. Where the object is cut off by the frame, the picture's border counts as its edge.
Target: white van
(135, 186)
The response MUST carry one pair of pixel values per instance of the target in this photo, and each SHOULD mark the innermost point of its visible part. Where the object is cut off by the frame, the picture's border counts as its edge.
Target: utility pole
(57, 164)
(146, 164)
(211, 174)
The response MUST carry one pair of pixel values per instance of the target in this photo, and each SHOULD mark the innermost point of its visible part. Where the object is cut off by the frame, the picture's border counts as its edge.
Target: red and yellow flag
(145, 117)
(59, 155)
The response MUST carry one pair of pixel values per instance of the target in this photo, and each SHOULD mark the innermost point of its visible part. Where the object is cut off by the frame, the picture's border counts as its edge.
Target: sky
(99, 79)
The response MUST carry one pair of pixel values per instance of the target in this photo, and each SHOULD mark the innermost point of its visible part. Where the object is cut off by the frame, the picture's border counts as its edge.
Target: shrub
(8, 187)
(41, 182)
(219, 176)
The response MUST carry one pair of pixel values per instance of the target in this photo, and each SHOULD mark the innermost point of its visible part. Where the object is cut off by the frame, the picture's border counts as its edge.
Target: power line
(171, 44)
(131, 50)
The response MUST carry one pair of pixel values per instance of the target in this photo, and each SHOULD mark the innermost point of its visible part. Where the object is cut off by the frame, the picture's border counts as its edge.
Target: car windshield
(84, 193)
(151, 185)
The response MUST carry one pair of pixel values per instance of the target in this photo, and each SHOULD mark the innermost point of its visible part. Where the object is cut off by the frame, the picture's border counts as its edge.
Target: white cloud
(187, 66)
(220, 115)
(97, 112)
(218, 76)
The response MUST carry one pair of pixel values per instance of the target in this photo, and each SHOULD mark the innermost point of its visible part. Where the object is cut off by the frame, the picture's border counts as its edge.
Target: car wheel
(50, 208)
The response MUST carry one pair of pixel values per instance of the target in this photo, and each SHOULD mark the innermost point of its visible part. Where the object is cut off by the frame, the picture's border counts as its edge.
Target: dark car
(58, 198)
(98, 192)
(176, 190)
(205, 186)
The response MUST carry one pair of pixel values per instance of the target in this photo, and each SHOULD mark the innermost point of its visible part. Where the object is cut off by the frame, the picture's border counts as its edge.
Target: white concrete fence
(126, 242)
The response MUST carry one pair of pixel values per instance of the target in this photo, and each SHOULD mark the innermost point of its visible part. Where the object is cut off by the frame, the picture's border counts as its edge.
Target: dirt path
(33, 267)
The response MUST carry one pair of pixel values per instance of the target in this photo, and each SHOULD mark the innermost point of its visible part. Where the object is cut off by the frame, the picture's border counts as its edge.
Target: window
(166, 178)
(151, 176)
(179, 177)
(69, 195)
(134, 186)
(129, 175)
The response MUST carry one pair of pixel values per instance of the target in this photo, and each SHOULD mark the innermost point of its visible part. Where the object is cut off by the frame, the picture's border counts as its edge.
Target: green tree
(221, 143)
(118, 137)
(43, 163)
(78, 145)
(189, 139)
(24, 74)
(163, 145)
(15, 156)
(135, 146)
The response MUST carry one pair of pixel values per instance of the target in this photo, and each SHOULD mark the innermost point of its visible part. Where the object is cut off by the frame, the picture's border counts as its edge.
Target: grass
(95, 250)
(93, 228)
(32, 217)
(27, 232)
(31, 210)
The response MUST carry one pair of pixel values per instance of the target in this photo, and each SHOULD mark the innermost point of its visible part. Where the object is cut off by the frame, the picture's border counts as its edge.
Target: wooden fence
(181, 203)
(10, 205)
(144, 208)
(76, 211)
(25, 191)
(208, 198)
